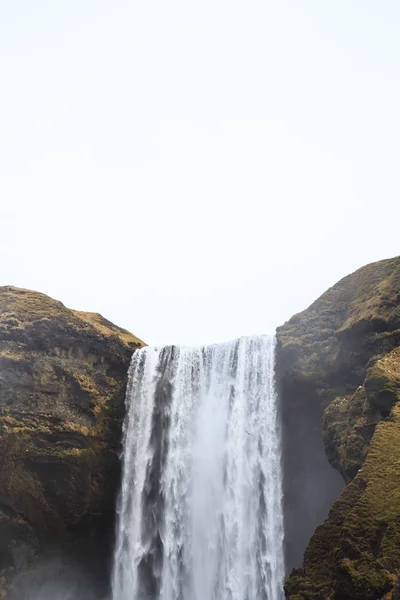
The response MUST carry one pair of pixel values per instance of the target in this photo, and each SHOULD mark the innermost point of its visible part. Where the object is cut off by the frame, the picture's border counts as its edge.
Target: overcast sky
(197, 170)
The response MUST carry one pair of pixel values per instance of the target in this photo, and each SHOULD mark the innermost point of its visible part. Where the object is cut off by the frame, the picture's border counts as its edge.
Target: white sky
(197, 171)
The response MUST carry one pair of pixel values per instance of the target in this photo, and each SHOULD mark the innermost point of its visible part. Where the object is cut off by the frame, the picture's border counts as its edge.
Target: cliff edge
(338, 371)
(62, 386)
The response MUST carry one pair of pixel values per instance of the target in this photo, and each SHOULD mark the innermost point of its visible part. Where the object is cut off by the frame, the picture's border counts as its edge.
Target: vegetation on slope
(62, 386)
(329, 344)
(355, 553)
(341, 359)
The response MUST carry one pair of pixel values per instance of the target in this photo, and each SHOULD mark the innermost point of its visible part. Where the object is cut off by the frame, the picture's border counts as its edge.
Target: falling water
(200, 507)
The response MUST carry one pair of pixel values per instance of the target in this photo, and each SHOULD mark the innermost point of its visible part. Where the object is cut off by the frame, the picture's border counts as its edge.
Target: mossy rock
(355, 554)
(338, 374)
(330, 343)
(62, 387)
(347, 428)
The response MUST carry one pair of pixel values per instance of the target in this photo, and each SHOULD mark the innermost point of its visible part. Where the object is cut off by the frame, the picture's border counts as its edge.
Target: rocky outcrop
(338, 367)
(62, 385)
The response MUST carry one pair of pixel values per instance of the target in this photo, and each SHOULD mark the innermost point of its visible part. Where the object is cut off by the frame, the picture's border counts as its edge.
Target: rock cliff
(62, 385)
(338, 371)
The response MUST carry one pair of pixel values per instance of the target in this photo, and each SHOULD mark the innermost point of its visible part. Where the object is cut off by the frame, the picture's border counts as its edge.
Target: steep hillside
(62, 385)
(338, 370)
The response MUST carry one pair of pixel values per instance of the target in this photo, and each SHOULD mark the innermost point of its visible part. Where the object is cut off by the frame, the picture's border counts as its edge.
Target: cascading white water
(200, 513)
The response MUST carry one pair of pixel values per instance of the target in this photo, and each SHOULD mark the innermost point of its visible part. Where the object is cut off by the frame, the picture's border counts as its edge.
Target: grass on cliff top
(20, 308)
(372, 292)
(377, 293)
(107, 328)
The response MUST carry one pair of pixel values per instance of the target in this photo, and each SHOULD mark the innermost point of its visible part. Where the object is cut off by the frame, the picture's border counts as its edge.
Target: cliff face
(338, 369)
(62, 385)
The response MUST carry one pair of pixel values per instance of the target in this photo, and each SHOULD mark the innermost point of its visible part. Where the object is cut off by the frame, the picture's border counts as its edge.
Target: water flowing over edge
(199, 515)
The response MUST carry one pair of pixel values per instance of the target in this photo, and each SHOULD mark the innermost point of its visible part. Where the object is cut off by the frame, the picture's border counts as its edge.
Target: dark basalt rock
(62, 386)
(338, 371)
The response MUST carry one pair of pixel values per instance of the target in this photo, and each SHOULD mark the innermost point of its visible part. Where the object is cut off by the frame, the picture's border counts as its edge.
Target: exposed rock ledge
(338, 363)
(62, 385)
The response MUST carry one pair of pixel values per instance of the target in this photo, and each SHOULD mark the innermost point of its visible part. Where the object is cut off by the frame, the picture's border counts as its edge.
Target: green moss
(355, 555)
(382, 382)
(108, 329)
(63, 376)
(327, 338)
(340, 358)
(348, 425)
(21, 309)
(379, 284)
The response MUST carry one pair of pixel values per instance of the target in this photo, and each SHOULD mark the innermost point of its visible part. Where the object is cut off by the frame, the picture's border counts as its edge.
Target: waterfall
(199, 514)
